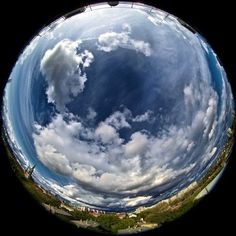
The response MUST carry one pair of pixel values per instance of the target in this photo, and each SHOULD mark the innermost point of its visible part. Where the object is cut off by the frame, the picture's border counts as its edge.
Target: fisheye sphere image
(118, 117)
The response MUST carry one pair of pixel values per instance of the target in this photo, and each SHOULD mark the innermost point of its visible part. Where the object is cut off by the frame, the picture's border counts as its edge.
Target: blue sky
(118, 113)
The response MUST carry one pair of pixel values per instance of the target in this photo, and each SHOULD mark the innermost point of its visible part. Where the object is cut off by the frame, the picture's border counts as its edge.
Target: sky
(117, 110)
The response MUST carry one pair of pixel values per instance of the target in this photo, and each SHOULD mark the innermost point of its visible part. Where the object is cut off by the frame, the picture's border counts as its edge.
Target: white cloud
(111, 41)
(106, 132)
(140, 200)
(213, 151)
(209, 120)
(204, 44)
(57, 161)
(29, 49)
(87, 58)
(106, 163)
(91, 113)
(190, 146)
(137, 145)
(126, 27)
(141, 46)
(119, 119)
(61, 67)
(189, 97)
(143, 117)
(210, 152)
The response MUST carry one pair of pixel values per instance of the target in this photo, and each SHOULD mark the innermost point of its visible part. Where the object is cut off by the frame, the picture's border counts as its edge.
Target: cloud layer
(98, 158)
(64, 70)
(111, 41)
(104, 162)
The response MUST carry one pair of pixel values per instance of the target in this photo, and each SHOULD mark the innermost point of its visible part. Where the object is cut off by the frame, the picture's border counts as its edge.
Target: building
(132, 215)
(229, 132)
(121, 215)
(85, 223)
(140, 209)
(68, 208)
(95, 213)
(82, 208)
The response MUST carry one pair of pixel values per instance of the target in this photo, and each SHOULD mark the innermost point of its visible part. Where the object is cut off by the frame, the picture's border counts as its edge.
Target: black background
(19, 22)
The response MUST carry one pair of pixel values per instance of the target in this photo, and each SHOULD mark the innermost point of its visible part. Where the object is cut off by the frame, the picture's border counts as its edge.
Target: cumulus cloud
(107, 169)
(106, 132)
(143, 117)
(105, 165)
(91, 113)
(57, 161)
(108, 164)
(141, 46)
(189, 97)
(140, 200)
(119, 119)
(64, 69)
(73, 193)
(111, 41)
(137, 145)
(105, 162)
